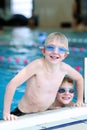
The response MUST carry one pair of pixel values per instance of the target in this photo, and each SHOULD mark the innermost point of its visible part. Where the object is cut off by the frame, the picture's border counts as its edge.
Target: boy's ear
(42, 50)
(66, 54)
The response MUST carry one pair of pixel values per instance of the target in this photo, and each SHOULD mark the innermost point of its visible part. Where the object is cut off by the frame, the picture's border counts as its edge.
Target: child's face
(55, 51)
(65, 93)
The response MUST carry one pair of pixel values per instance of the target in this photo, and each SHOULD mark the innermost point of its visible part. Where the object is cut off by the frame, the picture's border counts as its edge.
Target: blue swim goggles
(52, 48)
(63, 90)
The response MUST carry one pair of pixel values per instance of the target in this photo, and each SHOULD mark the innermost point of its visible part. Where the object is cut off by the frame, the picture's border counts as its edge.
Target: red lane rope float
(75, 49)
(16, 61)
(1, 58)
(78, 68)
(11, 60)
(82, 49)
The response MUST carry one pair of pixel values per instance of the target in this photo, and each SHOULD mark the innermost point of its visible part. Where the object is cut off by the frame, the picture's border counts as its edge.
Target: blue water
(20, 46)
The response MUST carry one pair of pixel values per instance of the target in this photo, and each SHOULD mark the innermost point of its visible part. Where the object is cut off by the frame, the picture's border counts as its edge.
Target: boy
(65, 94)
(43, 77)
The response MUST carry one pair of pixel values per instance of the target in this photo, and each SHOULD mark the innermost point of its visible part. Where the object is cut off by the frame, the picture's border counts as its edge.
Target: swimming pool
(20, 46)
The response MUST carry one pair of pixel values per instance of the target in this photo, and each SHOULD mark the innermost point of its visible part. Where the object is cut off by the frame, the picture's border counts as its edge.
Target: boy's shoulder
(65, 65)
(37, 62)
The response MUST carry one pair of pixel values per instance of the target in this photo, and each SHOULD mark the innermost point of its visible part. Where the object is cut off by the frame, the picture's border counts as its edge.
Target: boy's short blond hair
(57, 36)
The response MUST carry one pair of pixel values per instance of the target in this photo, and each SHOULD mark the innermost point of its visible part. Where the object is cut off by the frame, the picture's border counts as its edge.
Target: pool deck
(64, 118)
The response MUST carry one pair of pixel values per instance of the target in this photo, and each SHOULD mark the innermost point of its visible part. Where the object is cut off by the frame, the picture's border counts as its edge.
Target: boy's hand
(10, 117)
(79, 104)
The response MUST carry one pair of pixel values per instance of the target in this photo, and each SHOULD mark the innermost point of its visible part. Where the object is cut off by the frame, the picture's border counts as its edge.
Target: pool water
(20, 46)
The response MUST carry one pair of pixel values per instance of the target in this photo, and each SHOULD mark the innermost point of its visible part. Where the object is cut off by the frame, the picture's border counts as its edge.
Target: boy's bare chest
(50, 78)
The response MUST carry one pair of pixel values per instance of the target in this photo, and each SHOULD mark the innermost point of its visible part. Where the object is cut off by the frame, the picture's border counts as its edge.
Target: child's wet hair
(68, 79)
(57, 36)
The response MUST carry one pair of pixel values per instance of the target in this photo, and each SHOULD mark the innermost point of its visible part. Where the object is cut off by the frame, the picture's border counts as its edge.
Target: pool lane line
(65, 125)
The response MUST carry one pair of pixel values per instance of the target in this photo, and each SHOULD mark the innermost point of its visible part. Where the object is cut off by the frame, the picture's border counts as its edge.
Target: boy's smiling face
(55, 51)
(66, 96)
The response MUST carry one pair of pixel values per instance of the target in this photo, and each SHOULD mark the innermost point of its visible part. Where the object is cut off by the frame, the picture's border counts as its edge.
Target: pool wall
(46, 119)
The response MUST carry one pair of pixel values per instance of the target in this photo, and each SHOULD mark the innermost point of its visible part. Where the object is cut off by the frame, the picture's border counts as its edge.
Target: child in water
(43, 77)
(65, 94)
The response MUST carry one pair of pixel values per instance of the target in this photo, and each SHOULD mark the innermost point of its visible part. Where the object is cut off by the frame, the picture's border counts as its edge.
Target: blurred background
(51, 14)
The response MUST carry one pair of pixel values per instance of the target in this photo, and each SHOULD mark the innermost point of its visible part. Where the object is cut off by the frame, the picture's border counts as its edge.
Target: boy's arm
(75, 75)
(10, 90)
(7, 103)
(20, 78)
(79, 85)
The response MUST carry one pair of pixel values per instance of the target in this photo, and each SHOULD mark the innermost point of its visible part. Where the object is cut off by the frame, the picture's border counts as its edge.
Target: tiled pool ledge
(50, 116)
